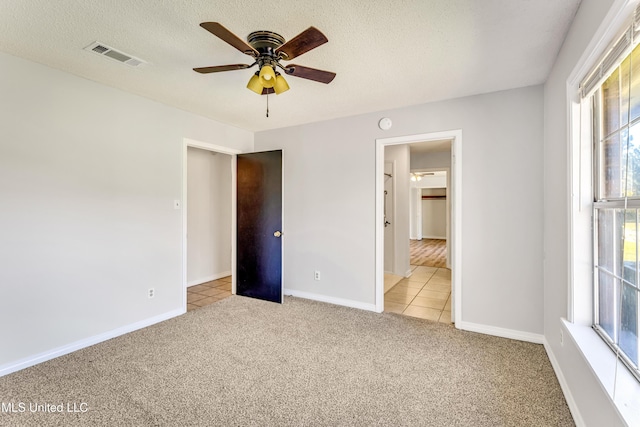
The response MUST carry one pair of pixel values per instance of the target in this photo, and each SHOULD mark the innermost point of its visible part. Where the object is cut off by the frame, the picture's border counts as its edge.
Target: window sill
(603, 364)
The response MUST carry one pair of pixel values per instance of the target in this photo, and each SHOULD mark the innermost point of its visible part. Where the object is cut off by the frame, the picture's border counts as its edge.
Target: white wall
(208, 215)
(389, 220)
(594, 406)
(432, 160)
(88, 178)
(398, 155)
(415, 213)
(431, 181)
(434, 219)
(330, 197)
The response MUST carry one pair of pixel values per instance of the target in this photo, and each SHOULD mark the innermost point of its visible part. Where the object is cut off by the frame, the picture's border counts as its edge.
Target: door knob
(277, 234)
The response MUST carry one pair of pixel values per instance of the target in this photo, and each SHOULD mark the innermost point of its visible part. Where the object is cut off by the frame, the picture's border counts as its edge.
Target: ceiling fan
(268, 49)
(417, 176)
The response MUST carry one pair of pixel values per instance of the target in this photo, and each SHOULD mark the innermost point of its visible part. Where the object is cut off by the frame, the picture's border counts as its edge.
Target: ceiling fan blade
(219, 68)
(302, 43)
(225, 35)
(268, 91)
(310, 73)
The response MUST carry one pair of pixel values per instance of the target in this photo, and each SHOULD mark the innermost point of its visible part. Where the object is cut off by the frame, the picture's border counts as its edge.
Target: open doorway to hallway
(426, 290)
(426, 294)
(208, 292)
(209, 213)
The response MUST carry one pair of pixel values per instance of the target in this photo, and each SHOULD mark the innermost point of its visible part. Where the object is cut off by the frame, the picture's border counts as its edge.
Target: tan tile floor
(208, 293)
(425, 294)
(390, 280)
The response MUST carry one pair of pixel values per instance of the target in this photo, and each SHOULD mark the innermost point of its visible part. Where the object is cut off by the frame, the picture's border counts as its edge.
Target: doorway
(209, 218)
(430, 205)
(455, 136)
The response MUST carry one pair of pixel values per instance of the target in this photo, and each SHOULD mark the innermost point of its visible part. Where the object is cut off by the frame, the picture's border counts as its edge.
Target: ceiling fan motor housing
(266, 43)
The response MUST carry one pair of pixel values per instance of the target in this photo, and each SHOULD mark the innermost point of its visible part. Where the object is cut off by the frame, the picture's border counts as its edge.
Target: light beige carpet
(244, 362)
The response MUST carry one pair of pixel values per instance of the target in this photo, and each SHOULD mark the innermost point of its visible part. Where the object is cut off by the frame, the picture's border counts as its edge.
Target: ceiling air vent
(111, 53)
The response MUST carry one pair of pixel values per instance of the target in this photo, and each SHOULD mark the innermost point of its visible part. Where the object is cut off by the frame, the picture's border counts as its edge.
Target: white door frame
(456, 212)
(390, 199)
(186, 143)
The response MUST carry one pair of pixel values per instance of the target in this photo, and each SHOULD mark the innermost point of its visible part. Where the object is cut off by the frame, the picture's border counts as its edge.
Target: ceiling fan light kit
(280, 85)
(254, 84)
(268, 49)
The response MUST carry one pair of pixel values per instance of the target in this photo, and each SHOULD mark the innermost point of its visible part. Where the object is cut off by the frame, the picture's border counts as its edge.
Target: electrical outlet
(316, 275)
(152, 292)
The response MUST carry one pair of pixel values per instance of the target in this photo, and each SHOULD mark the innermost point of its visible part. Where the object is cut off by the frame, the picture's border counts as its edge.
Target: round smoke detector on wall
(385, 123)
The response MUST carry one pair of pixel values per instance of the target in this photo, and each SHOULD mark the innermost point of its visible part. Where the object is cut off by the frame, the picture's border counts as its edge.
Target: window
(616, 208)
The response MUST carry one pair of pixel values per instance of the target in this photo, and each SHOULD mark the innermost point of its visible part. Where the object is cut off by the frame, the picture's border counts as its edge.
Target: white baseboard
(573, 406)
(434, 237)
(501, 332)
(331, 300)
(87, 342)
(208, 278)
(406, 274)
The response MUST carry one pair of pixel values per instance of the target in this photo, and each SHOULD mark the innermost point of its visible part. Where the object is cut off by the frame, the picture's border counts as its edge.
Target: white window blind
(612, 57)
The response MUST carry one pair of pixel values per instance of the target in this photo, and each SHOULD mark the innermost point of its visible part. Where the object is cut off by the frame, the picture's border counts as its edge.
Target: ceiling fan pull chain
(267, 105)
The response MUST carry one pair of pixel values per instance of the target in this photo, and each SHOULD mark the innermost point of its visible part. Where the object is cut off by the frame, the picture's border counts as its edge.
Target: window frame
(613, 378)
(600, 202)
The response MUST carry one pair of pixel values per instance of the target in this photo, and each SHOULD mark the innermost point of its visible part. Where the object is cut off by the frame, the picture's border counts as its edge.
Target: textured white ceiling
(386, 54)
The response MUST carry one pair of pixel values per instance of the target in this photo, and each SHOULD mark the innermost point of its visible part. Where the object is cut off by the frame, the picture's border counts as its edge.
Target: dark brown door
(259, 211)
